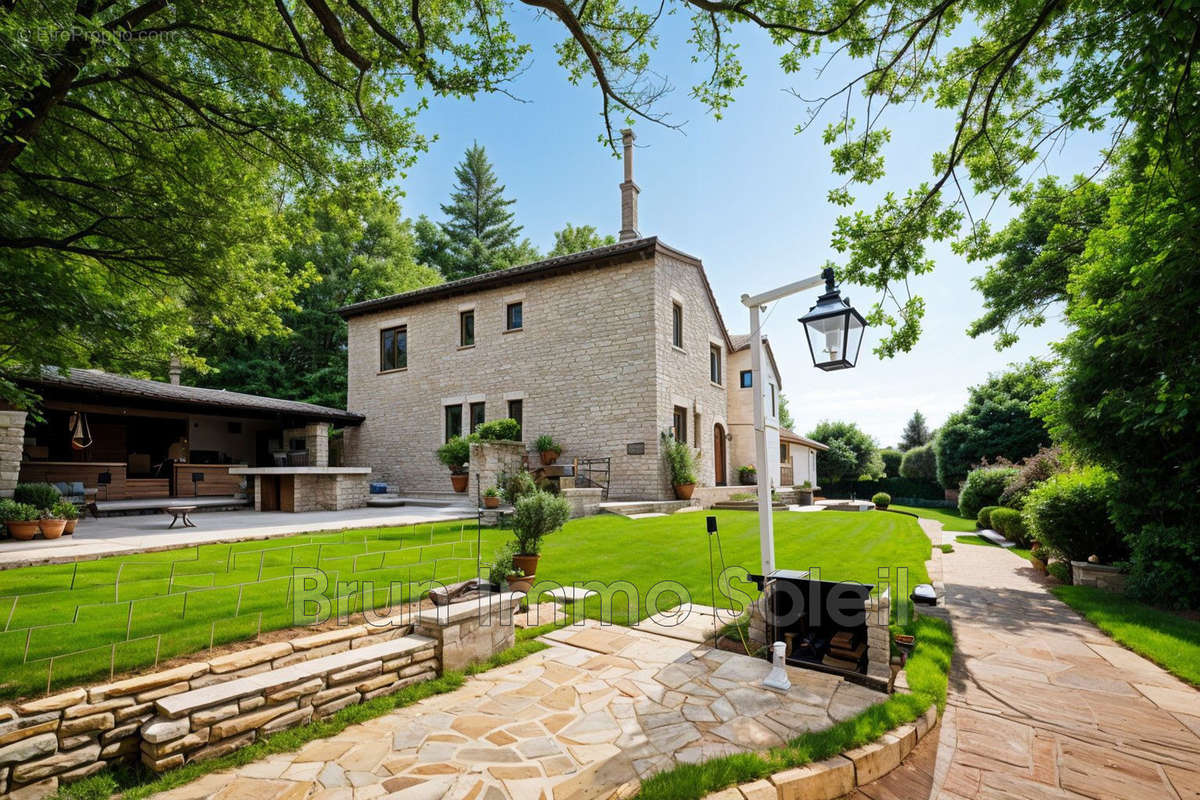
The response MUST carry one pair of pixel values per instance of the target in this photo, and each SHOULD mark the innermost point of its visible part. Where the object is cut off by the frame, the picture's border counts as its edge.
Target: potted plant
(748, 475)
(1038, 557)
(21, 519)
(491, 497)
(50, 525)
(455, 454)
(535, 516)
(548, 449)
(69, 512)
(881, 500)
(503, 571)
(515, 486)
(804, 493)
(681, 460)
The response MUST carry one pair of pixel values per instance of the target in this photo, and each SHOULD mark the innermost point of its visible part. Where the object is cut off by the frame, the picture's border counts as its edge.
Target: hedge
(898, 488)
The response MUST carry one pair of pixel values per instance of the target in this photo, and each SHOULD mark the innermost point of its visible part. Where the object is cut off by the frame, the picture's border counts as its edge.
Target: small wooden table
(180, 514)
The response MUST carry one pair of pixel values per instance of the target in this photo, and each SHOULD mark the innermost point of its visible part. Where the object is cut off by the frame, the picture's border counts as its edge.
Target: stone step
(437, 500)
(629, 508)
(995, 537)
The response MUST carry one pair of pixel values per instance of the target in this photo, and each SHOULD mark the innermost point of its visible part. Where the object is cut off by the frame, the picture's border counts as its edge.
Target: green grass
(927, 672)
(950, 518)
(136, 782)
(1019, 552)
(1169, 640)
(70, 623)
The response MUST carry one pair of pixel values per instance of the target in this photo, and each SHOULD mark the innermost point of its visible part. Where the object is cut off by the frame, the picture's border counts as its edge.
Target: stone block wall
(327, 492)
(12, 441)
(470, 631)
(1101, 576)
(585, 502)
(488, 461)
(316, 442)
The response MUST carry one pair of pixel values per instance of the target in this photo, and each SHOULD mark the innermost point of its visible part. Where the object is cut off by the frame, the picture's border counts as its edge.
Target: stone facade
(741, 416)
(331, 492)
(12, 440)
(316, 442)
(594, 366)
(490, 460)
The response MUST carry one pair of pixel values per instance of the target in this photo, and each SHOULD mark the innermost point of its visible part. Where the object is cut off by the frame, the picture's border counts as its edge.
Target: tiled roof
(105, 386)
(786, 435)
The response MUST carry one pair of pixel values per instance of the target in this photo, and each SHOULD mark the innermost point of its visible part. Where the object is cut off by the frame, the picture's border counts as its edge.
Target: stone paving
(603, 707)
(1042, 704)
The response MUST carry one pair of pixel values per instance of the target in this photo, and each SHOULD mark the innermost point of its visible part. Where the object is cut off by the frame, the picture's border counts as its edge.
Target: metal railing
(594, 473)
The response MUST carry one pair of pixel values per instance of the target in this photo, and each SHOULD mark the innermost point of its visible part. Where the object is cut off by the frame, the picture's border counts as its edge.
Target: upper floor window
(477, 415)
(714, 364)
(466, 328)
(393, 348)
(747, 378)
(514, 317)
(677, 325)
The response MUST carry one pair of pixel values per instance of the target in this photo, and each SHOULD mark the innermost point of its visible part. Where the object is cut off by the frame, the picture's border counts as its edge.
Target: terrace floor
(603, 707)
(142, 533)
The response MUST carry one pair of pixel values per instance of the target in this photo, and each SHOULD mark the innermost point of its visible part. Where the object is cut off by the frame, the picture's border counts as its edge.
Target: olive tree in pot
(455, 454)
(536, 515)
(503, 571)
(681, 460)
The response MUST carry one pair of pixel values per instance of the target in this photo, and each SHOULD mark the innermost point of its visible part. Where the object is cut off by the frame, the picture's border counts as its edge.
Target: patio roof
(96, 386)
(786, 435)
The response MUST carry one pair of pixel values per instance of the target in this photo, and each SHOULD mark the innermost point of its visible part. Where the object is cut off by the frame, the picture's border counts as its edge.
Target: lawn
(1167, 639)
(950, 518)
(69, 623)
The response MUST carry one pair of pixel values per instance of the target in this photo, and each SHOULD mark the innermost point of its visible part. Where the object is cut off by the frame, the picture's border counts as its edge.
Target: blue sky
(747, 196)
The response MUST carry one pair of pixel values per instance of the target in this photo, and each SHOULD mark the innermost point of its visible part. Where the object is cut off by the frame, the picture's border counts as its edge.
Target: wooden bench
(180, 514)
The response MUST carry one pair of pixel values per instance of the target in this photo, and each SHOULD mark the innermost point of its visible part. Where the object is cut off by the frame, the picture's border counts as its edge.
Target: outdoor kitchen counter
(307, 488)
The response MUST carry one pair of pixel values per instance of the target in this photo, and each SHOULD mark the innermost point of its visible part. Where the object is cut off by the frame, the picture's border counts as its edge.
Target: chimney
(629, 192)
(175, 370)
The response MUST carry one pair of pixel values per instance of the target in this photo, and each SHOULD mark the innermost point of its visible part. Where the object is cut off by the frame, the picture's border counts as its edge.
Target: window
(453, 422)
(466, 328)
(677, 325)
(477, 415)
(679, 427)
(514, 317)
(747, 377)
(515, 410)
(714, 364)
(772, 398)
(783, 453)
(393, 348)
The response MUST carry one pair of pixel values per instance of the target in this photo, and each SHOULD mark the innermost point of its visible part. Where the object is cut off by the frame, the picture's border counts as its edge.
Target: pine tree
(480, 233)
(916, 432)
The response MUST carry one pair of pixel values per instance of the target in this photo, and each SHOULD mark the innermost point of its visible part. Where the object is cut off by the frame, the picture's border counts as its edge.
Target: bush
(681, 460)
(748, 475)
(1060, 571)
(891, 462)
(1032, 471)
(498, 430)
(881, 499)
(38, 495)
(983, 487)
(1008, 523)
(546, 444)
(920, 464)
(514, 487)
(537, 515)
(12, 511)
(983, 519)
(1069, 514)
(65, 510)
(502, 565)
(455, 454)
(897, 487)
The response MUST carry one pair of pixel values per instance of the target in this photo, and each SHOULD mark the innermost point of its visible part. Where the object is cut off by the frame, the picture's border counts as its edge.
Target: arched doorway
(719, 454)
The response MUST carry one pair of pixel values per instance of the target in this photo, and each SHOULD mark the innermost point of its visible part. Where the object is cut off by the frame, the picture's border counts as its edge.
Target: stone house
(604, 350)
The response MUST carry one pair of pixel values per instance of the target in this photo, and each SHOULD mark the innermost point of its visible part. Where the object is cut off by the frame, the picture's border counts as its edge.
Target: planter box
(1101, 576)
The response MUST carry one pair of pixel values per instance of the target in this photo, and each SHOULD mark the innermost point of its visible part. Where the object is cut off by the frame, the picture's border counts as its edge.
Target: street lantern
(834, 329)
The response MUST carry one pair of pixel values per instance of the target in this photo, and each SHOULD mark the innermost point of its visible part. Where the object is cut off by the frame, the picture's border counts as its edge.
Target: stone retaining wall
(585, 501)
(470, 631)
(1101, 576)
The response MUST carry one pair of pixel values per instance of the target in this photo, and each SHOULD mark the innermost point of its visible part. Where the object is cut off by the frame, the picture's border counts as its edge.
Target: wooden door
(287, 492)
(268, 493)
(719, 455)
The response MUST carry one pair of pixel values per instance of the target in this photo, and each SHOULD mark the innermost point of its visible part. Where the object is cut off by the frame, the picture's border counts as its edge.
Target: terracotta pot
(521, 584)
(70, 528)
(52, 528)
(1038, 564)
(527, 564)
(23, 531)
(548, 457)
(683, 491)
(459, 482)
(491, 502)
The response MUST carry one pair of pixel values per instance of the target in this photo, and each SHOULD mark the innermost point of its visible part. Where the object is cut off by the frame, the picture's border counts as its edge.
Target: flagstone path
(1044, 705)
(586, 718)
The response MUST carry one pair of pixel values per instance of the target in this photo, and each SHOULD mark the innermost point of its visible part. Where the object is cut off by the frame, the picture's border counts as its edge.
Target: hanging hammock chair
(81, 432)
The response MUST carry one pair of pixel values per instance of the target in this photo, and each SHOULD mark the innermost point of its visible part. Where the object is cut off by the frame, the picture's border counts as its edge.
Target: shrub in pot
(21, 519)
(503, 571)
(983, 519)
(536, 515)
(681, 461)
(881, 499)
(38, 495)
(69, 512)
(515, 486)
(1069, 514)
(491, 497)
(1008, 523)
(455, 454)
(50, 526)
(548, 449)
(983, 487)
(748, 475)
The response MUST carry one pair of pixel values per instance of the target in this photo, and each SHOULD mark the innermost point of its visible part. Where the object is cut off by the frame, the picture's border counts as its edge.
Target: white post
(766, 525)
